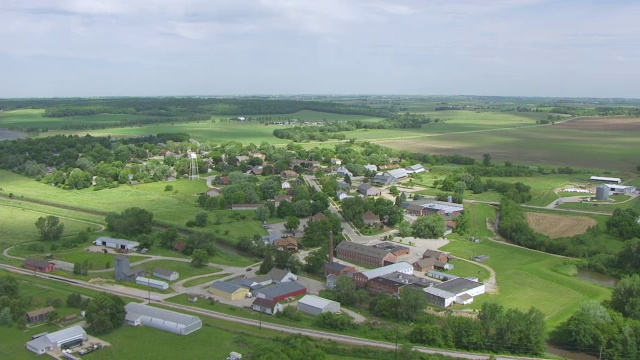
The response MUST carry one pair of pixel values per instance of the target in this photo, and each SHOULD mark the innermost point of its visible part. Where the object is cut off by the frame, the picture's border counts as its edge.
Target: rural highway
(281, 328)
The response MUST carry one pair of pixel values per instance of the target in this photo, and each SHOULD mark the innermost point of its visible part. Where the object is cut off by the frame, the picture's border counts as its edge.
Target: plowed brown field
(559, 225)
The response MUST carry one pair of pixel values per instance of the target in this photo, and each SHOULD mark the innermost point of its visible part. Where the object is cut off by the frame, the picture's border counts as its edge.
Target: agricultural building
(59, 340)
(602, 192)
(368, 190)
(315, 305)
(266, 306)
(245, 206)
(156, 284)
(621, 189)
(441, 275)
(281, 291)
(352, 252)
(39, 315)
(460, 290)
(606, 179)
(392, 284)
(430, 264)
(40, 265)
(228, 291)
(362, 277)
(120, 244)
(430, 207)
(398, 173)
(438, 255)
(415, 169)
(123, 272)
(167, 320)
(384, 179)
(166, 274)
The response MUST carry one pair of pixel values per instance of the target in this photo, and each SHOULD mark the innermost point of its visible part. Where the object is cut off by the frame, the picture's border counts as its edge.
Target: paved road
(276, 327)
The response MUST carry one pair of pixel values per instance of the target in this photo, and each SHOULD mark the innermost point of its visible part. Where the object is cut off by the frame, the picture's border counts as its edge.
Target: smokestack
(330, 247)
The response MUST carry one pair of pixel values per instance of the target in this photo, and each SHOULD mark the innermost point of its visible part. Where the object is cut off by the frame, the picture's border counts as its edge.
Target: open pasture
(527, 278)
(597, 124)
(18, 224)
(559, 225)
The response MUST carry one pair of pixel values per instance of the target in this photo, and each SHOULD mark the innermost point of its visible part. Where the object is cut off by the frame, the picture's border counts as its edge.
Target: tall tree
(626, 297)
(50, 228)
(105, 313)
(199, 258)
(429, 227)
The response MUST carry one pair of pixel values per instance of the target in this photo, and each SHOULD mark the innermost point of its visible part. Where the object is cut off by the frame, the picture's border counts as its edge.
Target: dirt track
(557, 226)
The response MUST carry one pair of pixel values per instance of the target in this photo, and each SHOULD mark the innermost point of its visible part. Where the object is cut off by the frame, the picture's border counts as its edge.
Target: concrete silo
(602, 192)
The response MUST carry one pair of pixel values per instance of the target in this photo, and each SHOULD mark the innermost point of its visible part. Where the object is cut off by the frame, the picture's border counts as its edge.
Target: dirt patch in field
(557, 226)
(622, 124)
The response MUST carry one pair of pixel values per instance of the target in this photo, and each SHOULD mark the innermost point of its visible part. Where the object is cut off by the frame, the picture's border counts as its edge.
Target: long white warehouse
(167, 320)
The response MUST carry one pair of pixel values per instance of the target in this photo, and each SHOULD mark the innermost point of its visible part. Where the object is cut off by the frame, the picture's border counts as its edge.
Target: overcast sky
(225, 47)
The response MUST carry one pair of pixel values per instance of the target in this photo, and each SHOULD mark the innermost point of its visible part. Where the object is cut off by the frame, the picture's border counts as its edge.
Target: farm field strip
(559, 225)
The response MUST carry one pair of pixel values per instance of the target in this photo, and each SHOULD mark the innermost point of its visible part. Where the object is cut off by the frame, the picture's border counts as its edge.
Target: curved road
(276, 327)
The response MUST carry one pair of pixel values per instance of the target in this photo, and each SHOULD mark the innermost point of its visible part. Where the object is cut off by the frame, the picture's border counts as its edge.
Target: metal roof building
(171, 321)
(402, 267)
(62, 339)
(156, 284)
(398, 173)
(281, 291)
(117, 243)
(607, 179)
(315, 305)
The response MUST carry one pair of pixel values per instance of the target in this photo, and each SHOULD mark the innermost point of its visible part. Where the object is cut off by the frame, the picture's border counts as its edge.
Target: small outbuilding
(40, 265)
(153, 283)
(315, 305)
(39, 315)
(266, 306)
(162, 273)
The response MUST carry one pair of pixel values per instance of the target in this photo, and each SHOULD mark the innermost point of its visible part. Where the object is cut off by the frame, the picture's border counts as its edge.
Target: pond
(597, 278)
(10, 134)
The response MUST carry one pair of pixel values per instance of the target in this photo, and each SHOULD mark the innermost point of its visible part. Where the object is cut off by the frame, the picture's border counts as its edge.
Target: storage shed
(114, 243)
(156, 284)
(166, 274)
(228, 291)
(167, 320)
(58, 340)
(315, 305)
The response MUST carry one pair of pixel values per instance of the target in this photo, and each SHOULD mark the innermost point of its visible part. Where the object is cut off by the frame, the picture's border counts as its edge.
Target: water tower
(193, 166)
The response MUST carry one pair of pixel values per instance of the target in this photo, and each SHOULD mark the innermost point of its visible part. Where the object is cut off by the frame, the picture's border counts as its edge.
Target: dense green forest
(187, 106)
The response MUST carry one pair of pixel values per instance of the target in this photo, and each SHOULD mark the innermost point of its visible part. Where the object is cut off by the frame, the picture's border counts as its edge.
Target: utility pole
(260, 315)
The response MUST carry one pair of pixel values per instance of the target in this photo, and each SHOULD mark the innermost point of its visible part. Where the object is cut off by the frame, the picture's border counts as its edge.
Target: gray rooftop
(163, 271)
(118, 241)
(438, 292)
(281, 289)
(458, 285)
(225, 286)
(316, 301)
(162, 314)
(381, 271)
(362, 249)
(65, 333)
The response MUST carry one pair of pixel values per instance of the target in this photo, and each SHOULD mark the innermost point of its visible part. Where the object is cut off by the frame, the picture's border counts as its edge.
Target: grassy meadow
(32, 118)
(528, 278)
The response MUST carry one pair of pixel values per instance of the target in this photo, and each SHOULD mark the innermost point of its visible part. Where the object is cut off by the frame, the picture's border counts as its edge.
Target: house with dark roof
(266, 306)
(335, 268)
(39, 315)
(368, 190)
(430, 264)
(40, 265)
(280, 198)
(344, 185)
(370, 218)
(397, 250)
(281, 291)
(222, 180)
(343, 171)
(363, 254)
(269, 239)
(438, 255)
(317, 217)
(288, 174)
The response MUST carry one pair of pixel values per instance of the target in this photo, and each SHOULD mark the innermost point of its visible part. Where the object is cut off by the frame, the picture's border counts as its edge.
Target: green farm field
(17, 224)
(174, 208)
(32, 118)
(527, 278)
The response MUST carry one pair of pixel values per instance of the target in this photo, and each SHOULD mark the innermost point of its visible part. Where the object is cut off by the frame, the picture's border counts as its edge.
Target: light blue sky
(219, 47)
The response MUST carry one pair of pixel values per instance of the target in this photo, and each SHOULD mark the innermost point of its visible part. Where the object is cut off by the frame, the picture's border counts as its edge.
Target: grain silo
(602, 192)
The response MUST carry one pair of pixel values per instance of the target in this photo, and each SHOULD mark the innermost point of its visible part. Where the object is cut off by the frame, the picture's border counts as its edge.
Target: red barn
(39, 265)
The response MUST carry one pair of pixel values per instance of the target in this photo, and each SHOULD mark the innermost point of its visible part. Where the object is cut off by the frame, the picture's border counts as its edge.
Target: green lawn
(98, 260)
(203, 280)
(183, 268)
(32, 118)
(599, 207)
(465, 269)
(18, 224)
(527, 278)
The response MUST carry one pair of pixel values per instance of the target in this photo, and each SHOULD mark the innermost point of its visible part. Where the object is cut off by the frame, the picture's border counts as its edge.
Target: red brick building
(39, 265)
(338, 269)
(364, 254)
